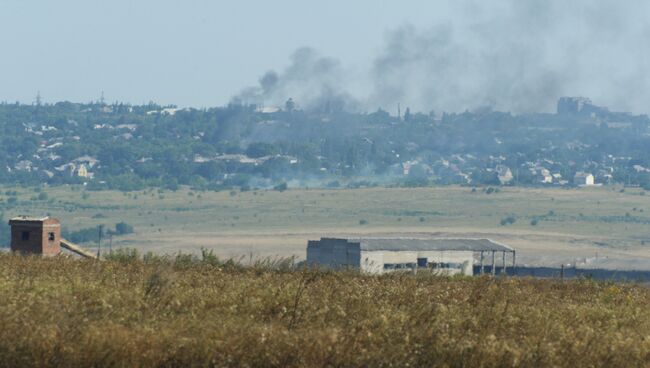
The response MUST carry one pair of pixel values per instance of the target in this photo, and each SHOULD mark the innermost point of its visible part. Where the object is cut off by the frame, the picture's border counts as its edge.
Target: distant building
(415, 169)
(578, 105)
(546, 179)
(542, 175)
(504, 174)
(35, 235)
(81, 171)
(87, 161)
(24, 165)
(73, 170)
(406, 167)
(572, 105)
(268, 109)
(583, 179)
(41, 236)
(381, 255)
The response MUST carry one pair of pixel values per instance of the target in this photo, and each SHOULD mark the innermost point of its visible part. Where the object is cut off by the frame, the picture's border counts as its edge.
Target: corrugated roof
(424, 244)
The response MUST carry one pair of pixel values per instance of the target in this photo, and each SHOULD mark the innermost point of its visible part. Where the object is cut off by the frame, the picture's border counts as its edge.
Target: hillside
(129, 147)
(65, 312)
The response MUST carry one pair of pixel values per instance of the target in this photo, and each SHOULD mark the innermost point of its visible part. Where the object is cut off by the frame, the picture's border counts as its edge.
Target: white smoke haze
(511, 55)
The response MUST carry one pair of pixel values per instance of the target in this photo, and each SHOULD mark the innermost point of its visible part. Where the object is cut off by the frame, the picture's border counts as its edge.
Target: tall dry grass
(189, 312)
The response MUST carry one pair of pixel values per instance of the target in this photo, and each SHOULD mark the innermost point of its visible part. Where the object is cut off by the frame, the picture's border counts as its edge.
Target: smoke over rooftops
(318, 82)
(513, 55)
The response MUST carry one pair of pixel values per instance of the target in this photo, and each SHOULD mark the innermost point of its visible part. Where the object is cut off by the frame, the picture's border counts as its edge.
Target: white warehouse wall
(373, 261)
(339, 253)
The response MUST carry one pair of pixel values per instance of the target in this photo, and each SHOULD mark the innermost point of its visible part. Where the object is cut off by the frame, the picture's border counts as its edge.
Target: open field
(570, 224)
(77, 313)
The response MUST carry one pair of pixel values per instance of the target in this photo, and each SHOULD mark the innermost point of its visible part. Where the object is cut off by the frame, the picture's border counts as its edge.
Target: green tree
(122, 228)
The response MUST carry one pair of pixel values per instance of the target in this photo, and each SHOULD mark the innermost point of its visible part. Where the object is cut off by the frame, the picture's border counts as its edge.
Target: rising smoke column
(313, 80)
(512, 55)
(519, 56)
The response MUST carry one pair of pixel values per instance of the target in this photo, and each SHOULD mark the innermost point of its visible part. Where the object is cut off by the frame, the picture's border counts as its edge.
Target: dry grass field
(65, 312)
(552, 225)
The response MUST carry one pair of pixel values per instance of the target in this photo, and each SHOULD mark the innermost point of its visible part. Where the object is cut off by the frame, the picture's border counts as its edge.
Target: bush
(363, 222)
(123, 255)
(91, 234)
(86, 235)
(281, 187)
(260, 149)
(508, 220)
(534, 222)
(171, 184)
(42, 196)
(333, 184)
(122, 228)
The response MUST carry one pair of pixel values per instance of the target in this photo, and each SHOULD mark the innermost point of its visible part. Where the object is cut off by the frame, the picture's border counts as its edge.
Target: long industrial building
(380, 255)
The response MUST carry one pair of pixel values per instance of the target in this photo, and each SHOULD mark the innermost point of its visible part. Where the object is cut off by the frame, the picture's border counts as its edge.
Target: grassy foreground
(67, 312)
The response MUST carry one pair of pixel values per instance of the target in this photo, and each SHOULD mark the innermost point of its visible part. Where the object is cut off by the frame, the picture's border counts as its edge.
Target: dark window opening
(399, 266)
(448, 265)
(50, 236)
(25, 235)
(422, 262)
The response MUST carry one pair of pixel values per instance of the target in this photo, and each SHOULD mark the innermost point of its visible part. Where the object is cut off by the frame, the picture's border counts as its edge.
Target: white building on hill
(380, 255)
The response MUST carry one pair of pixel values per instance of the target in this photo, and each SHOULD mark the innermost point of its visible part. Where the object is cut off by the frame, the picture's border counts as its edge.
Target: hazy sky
(191, 53)
(514, 55)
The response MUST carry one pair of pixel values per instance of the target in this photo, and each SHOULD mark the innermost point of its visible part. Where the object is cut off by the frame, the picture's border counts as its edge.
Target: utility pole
(99, 241)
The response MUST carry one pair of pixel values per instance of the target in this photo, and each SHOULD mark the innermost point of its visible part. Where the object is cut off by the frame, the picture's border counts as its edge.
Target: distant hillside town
(129, 147)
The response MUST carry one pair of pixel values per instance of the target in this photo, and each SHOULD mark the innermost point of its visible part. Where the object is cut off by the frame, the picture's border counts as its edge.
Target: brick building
(30, 235)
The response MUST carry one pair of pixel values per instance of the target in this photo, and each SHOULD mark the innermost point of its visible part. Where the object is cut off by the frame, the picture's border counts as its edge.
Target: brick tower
(31, 235)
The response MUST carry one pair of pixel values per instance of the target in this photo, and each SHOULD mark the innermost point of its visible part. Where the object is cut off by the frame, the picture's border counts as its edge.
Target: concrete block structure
(381, 255)
(35, 235)
(579, 105)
